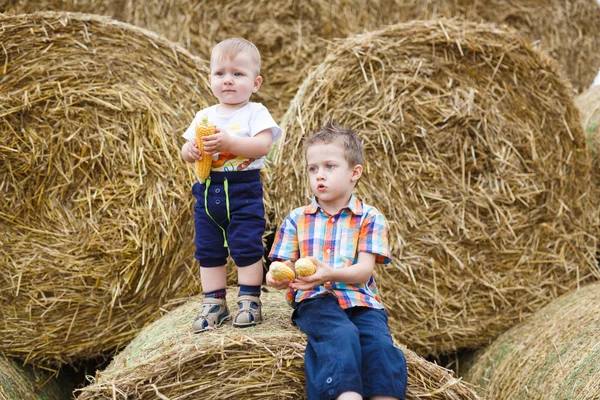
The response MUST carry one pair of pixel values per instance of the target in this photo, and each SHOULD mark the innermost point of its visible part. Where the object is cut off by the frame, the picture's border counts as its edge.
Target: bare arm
(247, 147)
(355, 274)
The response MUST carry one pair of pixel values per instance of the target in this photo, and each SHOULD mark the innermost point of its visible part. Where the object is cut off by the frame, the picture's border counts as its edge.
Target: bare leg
(214, 278)
(251, 275)
(349, 396)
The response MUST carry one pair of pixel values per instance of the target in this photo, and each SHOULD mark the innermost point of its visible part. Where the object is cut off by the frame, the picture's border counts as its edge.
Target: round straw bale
(475, 154)
(25, 382)
(554, 354)
(96, 228)
(260, 362)
(293, 36)
(589, 108)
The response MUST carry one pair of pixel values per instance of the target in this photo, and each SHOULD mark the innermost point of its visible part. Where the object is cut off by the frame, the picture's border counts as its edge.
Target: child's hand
(279, 285)
(217, 143)
(322, 275)
(192, 150)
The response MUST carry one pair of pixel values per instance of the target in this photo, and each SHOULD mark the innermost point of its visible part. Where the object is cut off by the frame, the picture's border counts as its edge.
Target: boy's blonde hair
(233, 46)
(347, 138)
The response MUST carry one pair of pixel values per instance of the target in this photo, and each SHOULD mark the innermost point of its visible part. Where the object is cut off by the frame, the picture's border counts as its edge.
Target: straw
(554, 354)
(166, 360)
(96, 226)
(475, 155)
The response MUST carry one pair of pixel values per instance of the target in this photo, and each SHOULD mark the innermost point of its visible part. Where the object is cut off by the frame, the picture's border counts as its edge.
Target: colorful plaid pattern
(336, 240)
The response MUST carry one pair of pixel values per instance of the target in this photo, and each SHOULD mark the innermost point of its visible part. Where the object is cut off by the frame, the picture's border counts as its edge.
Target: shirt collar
(354, 205)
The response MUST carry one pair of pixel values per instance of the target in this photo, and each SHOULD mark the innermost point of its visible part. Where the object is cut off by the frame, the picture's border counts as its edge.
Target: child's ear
(356, 173)
(257, 82)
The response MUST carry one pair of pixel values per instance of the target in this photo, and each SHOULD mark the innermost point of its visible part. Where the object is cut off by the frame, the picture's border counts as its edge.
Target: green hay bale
(554, 354)
(24, 383)
(475, 155)
(166, 360)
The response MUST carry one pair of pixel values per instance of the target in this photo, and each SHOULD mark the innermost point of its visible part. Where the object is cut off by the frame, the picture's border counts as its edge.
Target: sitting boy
(350, 353)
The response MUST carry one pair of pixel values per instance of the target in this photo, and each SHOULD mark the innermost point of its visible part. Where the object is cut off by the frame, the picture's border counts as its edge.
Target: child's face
(332, 180)
(234, 79)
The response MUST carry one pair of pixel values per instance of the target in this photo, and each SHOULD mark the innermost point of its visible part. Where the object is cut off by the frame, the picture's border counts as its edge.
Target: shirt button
(328, 251)
(333, 219)
(331, 392)
(329, 380)
(217, 201)
(217, 190)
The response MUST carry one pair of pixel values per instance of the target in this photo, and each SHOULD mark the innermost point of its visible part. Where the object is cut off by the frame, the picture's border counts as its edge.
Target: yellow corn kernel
(281, 271)
(203, 128)
(305, 267)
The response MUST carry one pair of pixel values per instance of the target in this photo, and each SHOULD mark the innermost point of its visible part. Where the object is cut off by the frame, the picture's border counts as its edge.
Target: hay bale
(554, 354)
(475, 155)
(24, 382)
(96, 225)
(265, 361)
(588, 104)
(293, 36)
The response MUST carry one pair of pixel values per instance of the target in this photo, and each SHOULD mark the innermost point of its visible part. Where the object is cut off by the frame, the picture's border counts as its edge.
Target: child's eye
(312, 169)
(219, 73)
(329, 166)
(238, 74)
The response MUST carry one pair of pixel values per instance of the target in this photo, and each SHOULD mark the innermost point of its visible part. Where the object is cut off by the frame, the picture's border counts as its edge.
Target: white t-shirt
(249, 120)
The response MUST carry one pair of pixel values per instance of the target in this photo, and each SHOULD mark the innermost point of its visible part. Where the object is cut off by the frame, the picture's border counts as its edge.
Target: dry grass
(96, 228)
(293, 36)
(475, 154)
(19, 382)
(554, 354)
(166, 360)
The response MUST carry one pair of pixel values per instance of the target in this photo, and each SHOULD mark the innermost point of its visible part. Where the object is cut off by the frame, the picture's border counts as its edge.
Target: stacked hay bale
(95, 212)
(293, 36)
(166, 360)
(475, 155)
(19, 382)
(554, 354)
(588, 104)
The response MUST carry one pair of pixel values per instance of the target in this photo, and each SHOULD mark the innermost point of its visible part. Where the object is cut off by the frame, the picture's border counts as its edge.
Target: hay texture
(166, 360)
(588, 104)
(96, 226)
(475, 155)
(554, 354)
(293, 36)
(19, 382)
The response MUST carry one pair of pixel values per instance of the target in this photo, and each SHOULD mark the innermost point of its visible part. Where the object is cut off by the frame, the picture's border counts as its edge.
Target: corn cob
(305, 267)
(203, 128)
(281, 271)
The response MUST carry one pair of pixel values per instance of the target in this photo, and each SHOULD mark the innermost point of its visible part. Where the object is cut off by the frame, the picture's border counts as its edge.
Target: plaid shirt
(335, 240)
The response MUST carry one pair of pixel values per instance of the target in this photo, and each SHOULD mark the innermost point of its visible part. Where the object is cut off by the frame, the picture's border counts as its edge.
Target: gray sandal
(249, 312)
(214, 313)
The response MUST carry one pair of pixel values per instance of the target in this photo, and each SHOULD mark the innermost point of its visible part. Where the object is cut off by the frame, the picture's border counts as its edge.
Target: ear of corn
(203, 128)
(280, 271)
(305, 267)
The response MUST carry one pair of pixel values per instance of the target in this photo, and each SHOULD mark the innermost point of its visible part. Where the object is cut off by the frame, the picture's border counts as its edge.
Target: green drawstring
(226, 187)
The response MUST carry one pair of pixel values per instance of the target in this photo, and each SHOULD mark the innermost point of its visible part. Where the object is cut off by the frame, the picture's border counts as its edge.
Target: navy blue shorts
(243, 226)
(349, 350)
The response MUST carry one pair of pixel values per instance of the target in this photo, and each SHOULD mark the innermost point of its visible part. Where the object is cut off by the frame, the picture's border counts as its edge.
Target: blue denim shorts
(349, 350)
(229, 218)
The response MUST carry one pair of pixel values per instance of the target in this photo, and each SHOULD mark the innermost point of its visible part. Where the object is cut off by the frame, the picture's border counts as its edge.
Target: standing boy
(229, 211)
(350, 353)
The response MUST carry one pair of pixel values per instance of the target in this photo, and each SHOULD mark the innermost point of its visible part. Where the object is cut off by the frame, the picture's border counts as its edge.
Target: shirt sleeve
(261, 120)
(190, 132)
(373, 237)
(285, 245)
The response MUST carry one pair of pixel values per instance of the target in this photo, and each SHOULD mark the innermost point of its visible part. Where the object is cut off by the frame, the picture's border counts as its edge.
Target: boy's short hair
(233, 46)
(347, 138)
